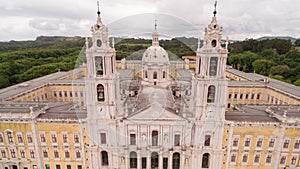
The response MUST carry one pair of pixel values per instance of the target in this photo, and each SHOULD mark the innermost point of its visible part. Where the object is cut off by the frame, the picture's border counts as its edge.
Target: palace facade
(151, 114)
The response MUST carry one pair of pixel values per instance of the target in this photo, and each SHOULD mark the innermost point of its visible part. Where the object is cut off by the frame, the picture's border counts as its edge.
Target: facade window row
(65, 138)
(260, 140)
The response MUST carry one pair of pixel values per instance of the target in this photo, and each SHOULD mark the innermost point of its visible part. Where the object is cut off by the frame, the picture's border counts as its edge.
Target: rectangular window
(3, 153)
(259, 142)
(235, 142)
(32, 155)
(29, 138)
(43, 138)
(213, 66)
(286, 143)
(1, 138)
(177, 140)
(22, 153)
(57, 166)
(241, 96)
(67, 154)
(247, 142)
(79, 167)
(65, 137)
(297, 144)
(45, 153)
(235, 96)
(294, 160)
(229, 96)
(165, 163)
(245, 158)
(76, 138)
(99, 65)
(56, 154)
(252, 96)
(258, 96)
(207, 140)
(10, 137)
(13, 153)
(103, 138)
(69, 167)
(233, 158)
(271, 143)
(247, 96)
(282, 160)
(256, 158)
(132, 139)
(20, 138)
(154, 138)
(269, 159)
(53, 138)
(144, 162)
(78, 154)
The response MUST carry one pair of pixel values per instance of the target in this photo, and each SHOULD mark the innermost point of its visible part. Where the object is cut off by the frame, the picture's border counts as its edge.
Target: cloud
(240, 18)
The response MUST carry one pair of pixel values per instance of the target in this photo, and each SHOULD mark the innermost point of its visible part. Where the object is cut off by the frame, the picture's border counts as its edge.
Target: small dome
(155, 54)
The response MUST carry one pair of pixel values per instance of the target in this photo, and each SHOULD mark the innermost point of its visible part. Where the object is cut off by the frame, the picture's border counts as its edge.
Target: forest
(24, 60)
(276, 58)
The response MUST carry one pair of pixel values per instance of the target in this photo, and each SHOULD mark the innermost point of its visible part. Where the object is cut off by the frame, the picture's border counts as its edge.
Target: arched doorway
(205, 160)
(104, 158)
(154, 160)
(133, 160)
(176, 161)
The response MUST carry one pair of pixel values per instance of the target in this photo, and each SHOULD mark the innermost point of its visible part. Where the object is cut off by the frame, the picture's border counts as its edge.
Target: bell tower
(210, 95)
(101, 89)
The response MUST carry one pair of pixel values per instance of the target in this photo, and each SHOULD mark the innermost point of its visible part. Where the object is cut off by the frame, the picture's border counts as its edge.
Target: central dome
(155, 54)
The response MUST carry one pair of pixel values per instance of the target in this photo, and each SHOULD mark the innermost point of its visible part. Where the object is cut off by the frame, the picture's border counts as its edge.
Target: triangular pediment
(157, 114)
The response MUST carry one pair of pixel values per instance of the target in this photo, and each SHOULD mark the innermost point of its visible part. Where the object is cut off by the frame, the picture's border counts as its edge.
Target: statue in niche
(166, 139)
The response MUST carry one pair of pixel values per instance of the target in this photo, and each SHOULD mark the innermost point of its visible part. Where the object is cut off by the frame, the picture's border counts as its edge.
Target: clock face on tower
(99, 43)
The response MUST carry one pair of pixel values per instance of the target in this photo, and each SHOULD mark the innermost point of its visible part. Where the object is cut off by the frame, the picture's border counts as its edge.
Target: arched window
(100, 93)
(133, 159)
(154, 138)
(211, 94)
(176, 161)
(205, 160)
(104, 158)
(99, 65)
(164, 74)
(154, 160)
(213, 66)
(155, 75)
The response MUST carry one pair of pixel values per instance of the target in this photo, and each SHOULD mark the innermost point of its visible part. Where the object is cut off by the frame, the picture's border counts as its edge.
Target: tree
(297, 82)
(282, 70)
(262, 66)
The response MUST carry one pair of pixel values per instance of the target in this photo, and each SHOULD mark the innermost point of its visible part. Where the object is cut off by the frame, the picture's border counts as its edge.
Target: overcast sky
(27, 19)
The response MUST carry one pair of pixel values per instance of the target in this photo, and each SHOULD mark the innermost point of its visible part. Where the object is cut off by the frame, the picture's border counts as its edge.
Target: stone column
(139, 160)
(170, 160)
(148, 160)
(160, 160)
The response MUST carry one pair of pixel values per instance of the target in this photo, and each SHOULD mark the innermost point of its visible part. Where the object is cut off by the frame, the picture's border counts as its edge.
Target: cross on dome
(155, 41)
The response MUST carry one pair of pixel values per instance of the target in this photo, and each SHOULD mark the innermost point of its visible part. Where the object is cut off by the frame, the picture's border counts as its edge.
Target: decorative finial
(155, 25)
(199, 42)
(113, 42)
(215, 11)
(98, 12)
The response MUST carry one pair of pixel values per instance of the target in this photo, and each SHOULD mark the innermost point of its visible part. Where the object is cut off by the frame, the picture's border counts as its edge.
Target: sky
(241, 19)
